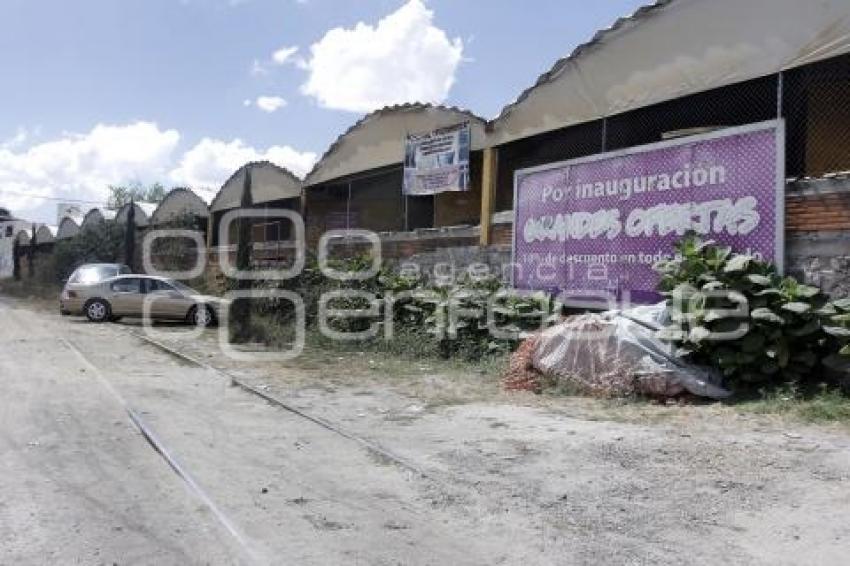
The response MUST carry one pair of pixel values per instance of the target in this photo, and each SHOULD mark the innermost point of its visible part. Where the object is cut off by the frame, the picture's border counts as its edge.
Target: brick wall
(817, 212)
(502, 234)
(817, 239)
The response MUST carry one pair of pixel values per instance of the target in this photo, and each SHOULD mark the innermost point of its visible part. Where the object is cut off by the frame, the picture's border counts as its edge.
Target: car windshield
(94, 274)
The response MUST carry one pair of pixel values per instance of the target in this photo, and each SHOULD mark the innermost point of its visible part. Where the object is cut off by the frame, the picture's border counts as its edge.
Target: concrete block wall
(817, 239)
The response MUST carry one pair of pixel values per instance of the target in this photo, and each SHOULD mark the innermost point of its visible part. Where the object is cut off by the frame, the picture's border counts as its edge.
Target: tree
(121, 195)
(16, 259)
(101, 243)
(241, 308)
(130, 235)
(5, 214)
(31, 254)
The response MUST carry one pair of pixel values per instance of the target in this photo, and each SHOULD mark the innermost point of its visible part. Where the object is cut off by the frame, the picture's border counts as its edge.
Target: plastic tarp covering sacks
(617, 354)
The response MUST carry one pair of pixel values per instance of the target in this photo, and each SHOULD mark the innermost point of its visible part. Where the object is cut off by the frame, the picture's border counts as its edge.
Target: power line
(45, 197)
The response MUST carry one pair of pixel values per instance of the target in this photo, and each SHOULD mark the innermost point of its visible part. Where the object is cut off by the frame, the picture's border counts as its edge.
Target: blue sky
(182, 91)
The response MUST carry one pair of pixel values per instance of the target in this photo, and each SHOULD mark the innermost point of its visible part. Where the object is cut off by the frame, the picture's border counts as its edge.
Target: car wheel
(97, 310)
(201, 316)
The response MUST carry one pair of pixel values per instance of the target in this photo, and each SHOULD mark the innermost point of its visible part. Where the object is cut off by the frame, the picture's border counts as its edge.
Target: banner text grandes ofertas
(724, 215)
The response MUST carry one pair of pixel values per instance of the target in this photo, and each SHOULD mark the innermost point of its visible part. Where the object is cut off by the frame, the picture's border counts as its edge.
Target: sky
(183, 92)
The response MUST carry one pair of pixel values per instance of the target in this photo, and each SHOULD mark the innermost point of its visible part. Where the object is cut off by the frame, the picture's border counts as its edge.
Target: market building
(682, 67)
(143, 212)
(69, 227)
(358, 183)
(45, 234)
(670, 71)
(674, 71)
(272, 187)
(97, 216)
(181, 208)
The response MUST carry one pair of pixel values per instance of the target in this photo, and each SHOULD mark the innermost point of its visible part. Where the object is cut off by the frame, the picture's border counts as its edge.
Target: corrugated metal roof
(600, 36)
(264, 163)
(376, 114)
(200, 205)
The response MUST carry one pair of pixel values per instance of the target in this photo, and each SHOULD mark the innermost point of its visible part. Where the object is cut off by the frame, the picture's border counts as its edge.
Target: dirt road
(243, 481)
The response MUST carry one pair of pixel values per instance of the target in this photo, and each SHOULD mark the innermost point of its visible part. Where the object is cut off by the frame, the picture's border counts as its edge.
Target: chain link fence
(813, 99)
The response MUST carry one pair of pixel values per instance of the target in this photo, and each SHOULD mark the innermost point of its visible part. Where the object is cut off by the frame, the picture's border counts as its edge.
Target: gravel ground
(507, 479)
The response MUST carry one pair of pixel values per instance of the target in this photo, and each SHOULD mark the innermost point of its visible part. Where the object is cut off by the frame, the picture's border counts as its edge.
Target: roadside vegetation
(820, 404)
(401, 313)
(792, 359)
(735, 312)
(788, 350)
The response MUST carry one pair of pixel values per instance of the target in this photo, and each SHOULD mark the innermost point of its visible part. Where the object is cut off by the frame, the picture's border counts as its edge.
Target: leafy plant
(836, 323)
(735, 312)
(473, 317)
(450, 319)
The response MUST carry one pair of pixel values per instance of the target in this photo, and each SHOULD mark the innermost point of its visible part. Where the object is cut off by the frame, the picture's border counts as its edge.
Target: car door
(127, 297)
(167, 301)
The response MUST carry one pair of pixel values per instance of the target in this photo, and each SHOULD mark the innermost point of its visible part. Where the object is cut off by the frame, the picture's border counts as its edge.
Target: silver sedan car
(141, 296)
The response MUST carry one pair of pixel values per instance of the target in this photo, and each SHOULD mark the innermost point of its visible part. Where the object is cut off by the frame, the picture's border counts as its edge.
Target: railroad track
(369, 445)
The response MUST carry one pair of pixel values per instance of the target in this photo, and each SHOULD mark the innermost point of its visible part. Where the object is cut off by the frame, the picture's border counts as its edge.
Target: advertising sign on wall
(437, 161)
(594, 227)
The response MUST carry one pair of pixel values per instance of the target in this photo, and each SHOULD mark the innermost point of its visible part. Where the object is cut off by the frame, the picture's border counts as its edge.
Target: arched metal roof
(177, 204)
(377, 139)
(671, 49)
(144, 211)
(68, 228)
(97, 216)
(45, 234)
(269, 182)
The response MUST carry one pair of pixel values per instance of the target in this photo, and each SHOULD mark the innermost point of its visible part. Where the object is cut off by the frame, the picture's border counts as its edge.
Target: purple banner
(596, 226)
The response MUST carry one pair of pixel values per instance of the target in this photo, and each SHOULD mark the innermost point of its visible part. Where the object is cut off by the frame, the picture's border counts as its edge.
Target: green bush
(101, 243)
(837, 323)
(421, 311)
(468, 334)
(735, 312)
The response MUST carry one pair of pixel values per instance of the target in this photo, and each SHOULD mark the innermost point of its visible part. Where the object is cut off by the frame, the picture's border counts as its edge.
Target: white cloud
(284, 54)
(404, 58)
(270, 103)
(258, 69)
(212, 161)
(82, 166)
(17, 140)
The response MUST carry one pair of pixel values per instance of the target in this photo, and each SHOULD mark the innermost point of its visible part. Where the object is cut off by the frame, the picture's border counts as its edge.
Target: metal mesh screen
(376, 202)
(557, 145)
(816, 106)
(814, 100)
(754, 101)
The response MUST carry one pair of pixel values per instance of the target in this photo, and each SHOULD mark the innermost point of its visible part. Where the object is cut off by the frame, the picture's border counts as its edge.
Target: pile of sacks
(612, 354)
